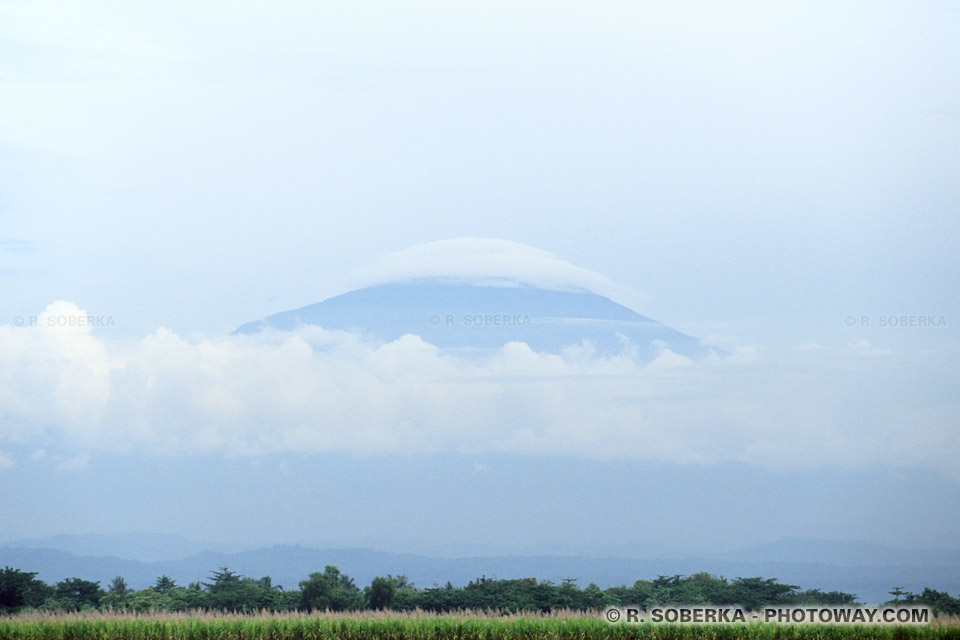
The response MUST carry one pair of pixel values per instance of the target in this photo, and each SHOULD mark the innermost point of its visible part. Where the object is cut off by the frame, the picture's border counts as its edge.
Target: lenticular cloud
(490, 262)
(67, 390)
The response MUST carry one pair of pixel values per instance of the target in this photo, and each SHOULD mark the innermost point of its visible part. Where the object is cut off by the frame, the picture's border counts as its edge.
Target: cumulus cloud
(73, 394)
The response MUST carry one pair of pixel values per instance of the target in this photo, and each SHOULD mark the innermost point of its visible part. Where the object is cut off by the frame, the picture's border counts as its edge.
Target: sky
(779, 180)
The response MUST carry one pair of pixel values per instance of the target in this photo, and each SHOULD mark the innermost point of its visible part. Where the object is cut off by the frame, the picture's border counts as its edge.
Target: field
(417, 626)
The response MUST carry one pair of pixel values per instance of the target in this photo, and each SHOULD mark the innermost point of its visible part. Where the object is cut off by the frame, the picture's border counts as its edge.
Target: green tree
(380, 593)
(188, 598)
(816, 596)
(594, 598)
(404, 593)
(21, 589)
(330, 590)
(76, 594)
(117, 594)
(754, 593)
(229, 591)
(163, 584)
(118, 586)
(939, 601)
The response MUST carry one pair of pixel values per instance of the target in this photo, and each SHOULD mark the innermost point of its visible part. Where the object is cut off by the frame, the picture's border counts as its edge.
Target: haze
(778, 180)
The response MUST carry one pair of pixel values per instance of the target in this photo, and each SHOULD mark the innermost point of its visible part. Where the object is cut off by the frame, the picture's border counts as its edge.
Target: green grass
(421, 626)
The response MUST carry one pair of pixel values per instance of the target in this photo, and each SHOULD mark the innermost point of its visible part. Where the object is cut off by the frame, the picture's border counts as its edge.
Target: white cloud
(490, 262)
(865, 347)
(6, 461)
(75, 395)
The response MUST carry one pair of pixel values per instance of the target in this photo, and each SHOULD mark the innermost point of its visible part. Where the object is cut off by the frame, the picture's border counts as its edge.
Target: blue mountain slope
(466, 316)
(288, 565)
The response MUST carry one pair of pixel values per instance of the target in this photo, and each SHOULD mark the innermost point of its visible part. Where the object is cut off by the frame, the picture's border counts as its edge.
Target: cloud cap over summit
(471, 293)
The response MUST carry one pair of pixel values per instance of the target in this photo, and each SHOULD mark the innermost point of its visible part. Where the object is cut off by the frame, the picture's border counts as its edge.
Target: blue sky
(750, 173)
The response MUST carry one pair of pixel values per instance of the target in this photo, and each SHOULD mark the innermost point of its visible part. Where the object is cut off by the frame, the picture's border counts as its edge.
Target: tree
(224, 579)
(118, 587)
(229, 591)
(594, 598)
(163, 584)
(380, 593)
(939, 601)
(76, 594)
(816, 596)
(754, 593)
(404, 593)
(21, 589)
(117, 594)
(330, 590)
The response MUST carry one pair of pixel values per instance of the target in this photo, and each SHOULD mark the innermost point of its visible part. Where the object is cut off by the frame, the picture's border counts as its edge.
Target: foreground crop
(417, 626)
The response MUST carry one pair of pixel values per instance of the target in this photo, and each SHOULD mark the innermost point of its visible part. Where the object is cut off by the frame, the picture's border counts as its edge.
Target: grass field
(464, 626)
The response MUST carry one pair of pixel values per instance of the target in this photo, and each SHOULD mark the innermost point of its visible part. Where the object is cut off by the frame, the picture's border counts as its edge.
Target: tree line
(332, 590)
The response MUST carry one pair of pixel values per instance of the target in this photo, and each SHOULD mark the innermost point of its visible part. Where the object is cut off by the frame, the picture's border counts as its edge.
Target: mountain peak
(473, 294)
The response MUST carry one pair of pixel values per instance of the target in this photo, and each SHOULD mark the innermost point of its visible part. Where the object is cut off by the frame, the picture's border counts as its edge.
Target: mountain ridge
(288, 564)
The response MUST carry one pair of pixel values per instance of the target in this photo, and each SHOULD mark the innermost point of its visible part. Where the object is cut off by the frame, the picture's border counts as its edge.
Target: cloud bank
(69, 392)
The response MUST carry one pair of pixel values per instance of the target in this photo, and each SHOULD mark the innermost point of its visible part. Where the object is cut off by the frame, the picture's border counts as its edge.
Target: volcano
(484, 294)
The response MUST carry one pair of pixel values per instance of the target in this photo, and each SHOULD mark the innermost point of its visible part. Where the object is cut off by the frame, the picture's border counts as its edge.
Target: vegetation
(421, 626)
(331, 590)
(939, 601)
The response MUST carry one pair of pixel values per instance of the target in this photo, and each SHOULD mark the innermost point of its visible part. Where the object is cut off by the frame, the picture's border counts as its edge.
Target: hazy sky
(758, 174)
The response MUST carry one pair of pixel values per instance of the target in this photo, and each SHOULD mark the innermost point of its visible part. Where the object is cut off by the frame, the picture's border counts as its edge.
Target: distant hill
(146, 547)
(852, 553)
(287, 565)
(465, 317)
